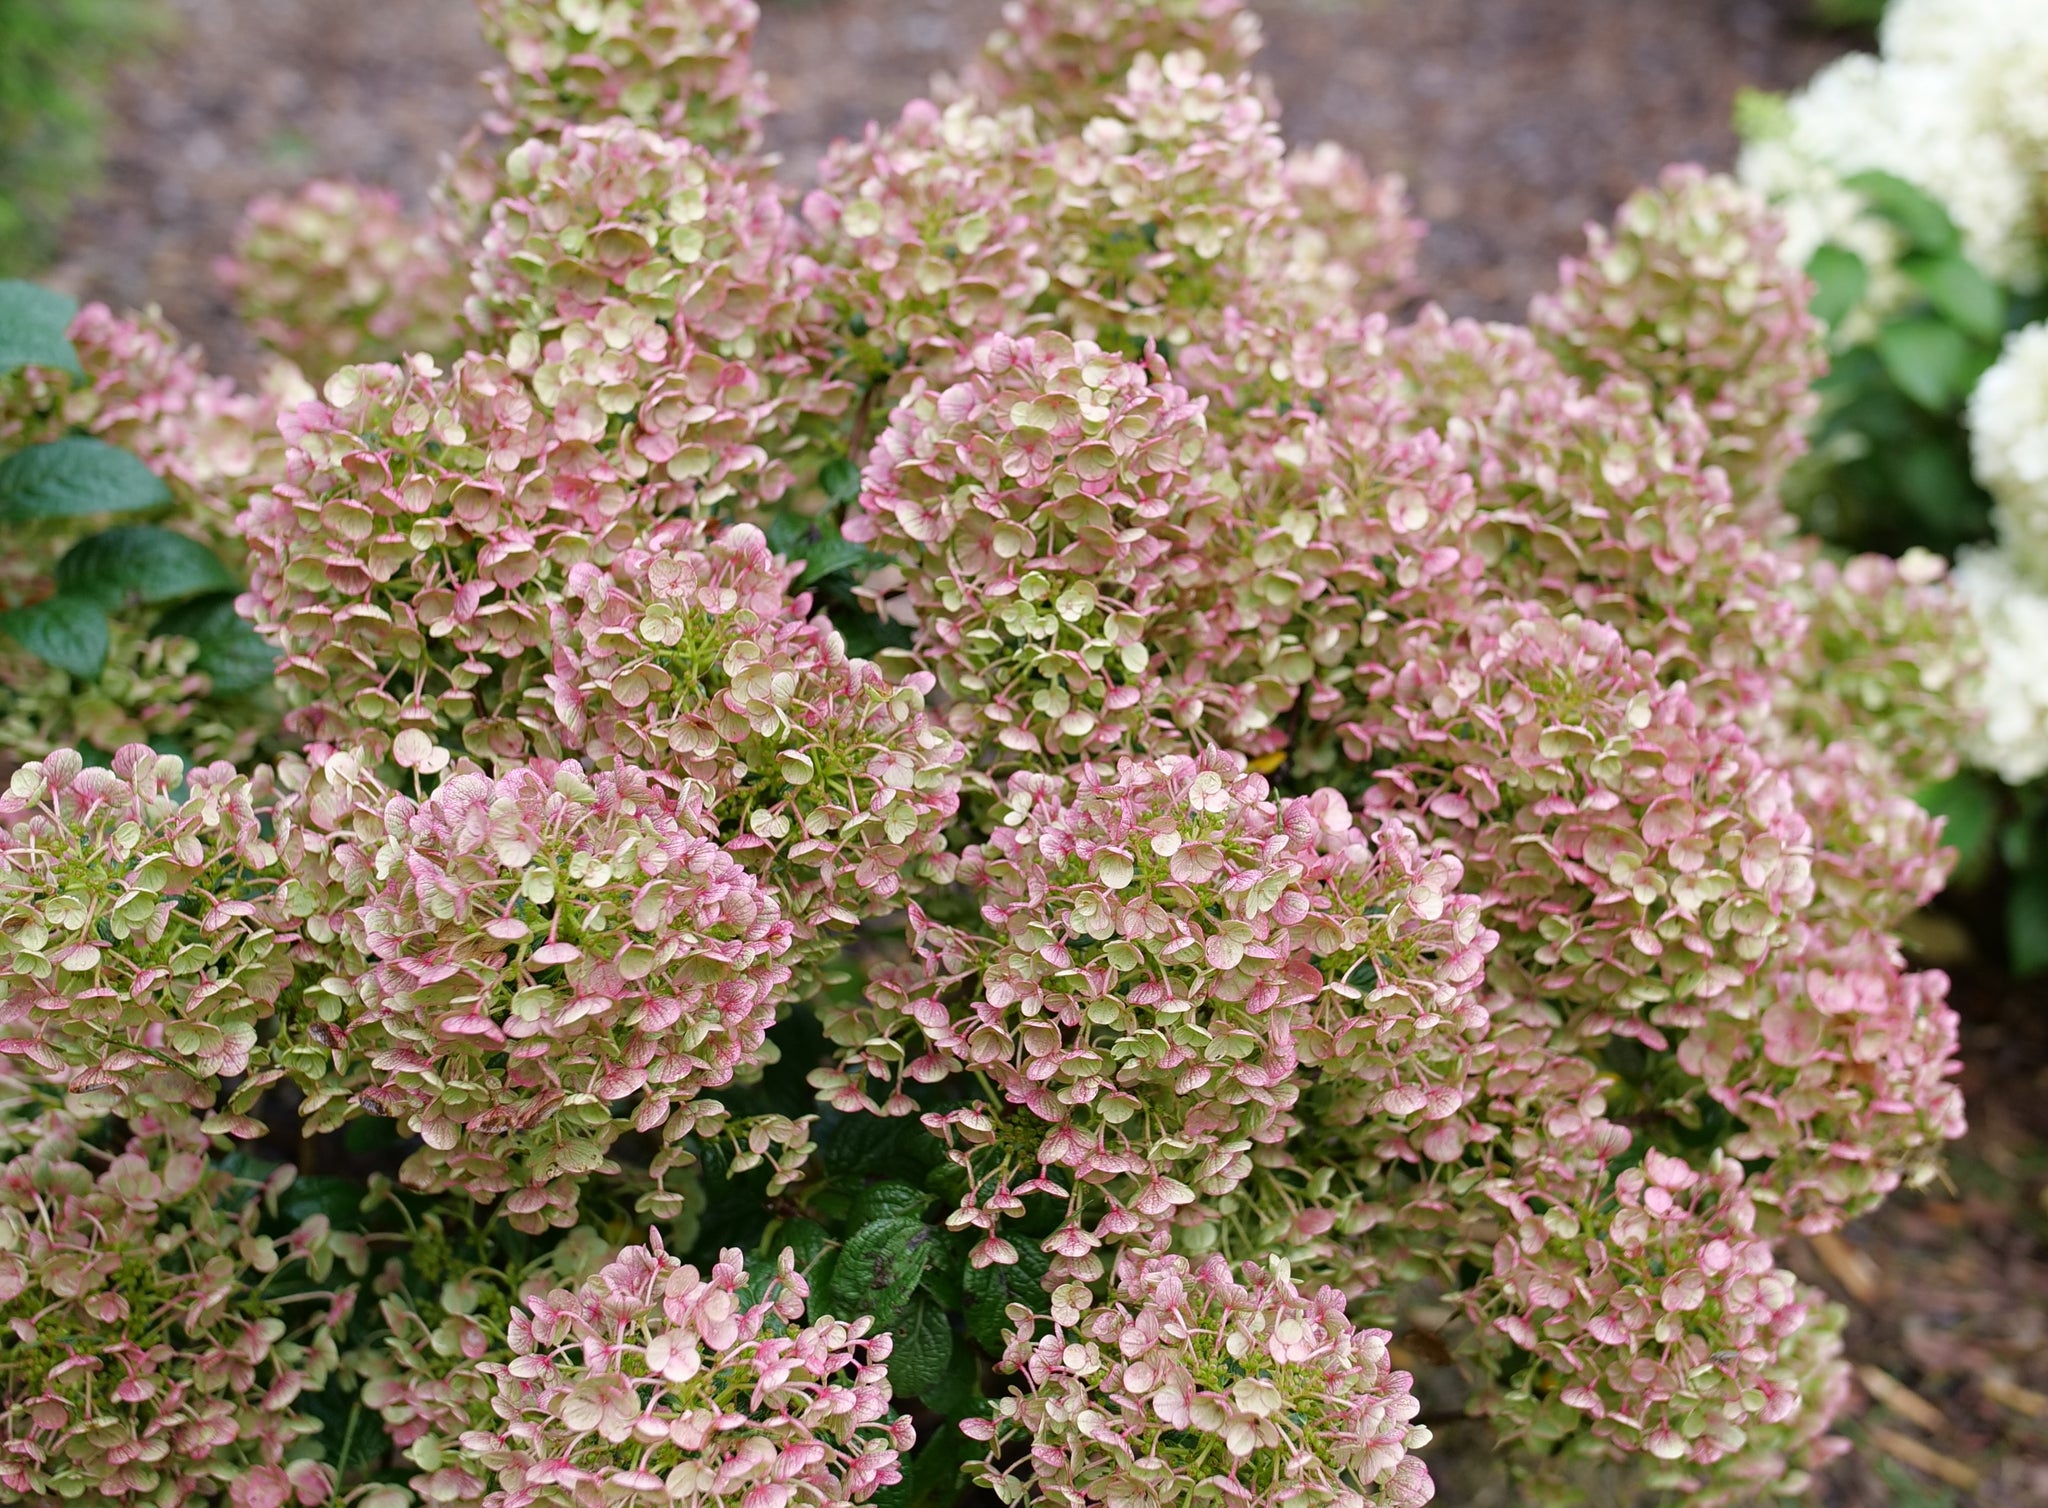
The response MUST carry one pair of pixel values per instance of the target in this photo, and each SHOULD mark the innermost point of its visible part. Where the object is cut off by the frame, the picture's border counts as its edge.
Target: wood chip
(1900, 1399)
(1851, 1268)
(2020, 1400)
(1907, 1450)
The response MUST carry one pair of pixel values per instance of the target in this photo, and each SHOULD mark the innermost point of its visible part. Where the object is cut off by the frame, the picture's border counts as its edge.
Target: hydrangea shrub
(979, 830)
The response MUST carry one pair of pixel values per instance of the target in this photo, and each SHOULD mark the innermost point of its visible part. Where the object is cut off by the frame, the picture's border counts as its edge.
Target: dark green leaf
(1929, 359)
(1967, 298)
(924, 1345)
(828, 556)
(67, 632)
(339, 1199)
(992, 1289)
(231, 653)
(1922, 220)
(2026, 923)
(841, 480)
(141, 563)
(887, 1201)
(957, 1394)
(879, 1268)
(35, 326)
(74, 478)
(1935, 481)
(1968, 806)
(1839, 282)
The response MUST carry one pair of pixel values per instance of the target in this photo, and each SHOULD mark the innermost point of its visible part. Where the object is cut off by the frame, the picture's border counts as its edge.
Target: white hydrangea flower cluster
(1957, 105)
(2008, 421)
(2012, 619)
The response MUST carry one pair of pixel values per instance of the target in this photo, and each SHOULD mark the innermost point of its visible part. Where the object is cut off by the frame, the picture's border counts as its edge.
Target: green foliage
(55, 60)
(1848, 12)
(33, 326)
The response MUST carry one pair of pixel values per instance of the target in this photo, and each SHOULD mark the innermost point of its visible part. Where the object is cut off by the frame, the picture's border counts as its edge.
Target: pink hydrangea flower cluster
(1356, 238)
(548, 950)
(1194, 1382)
(682, 67)
(830, 781)
(653, 295)
(1169, 956)
(1636, 855)
(403, 566)
(1661, 1317)
(651, 1378)
(144, 1362)
(336, 273)
(1066, 58)
(139, 946)
(1043, 509)
(933, 235)
(1689, 293)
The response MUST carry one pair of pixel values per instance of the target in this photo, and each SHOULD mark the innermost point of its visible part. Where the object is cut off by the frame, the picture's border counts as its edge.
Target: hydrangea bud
(336, 274)
(1043, 511)
(1191, 1381)
(157, 1342)
(139, 945)
(1688, 293)
(547, 949)
(651, 1378)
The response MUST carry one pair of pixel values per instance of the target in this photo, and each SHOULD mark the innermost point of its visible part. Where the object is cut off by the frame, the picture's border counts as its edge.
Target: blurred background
(133, 132)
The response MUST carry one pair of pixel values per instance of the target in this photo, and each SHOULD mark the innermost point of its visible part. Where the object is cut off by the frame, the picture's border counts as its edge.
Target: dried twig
(1922, 1458)
(2020, 1400)
(1900, 1399)
(1854, 1270)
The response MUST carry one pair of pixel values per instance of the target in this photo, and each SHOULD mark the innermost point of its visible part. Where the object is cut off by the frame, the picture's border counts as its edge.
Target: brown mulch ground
(1515, 121)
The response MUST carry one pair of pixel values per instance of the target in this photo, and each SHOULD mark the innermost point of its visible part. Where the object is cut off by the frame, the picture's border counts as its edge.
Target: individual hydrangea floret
(653, 1380)
(691, 656)
(1042, 511)
(1689, 294)
(1067, 58)
(139, 940)
(151, 1353)
(1634, 855)
(1194, 1383)
(654, 296)
(404, 568)
(1659, 1317)
(682, 67)
(551, 949)
(337, 273)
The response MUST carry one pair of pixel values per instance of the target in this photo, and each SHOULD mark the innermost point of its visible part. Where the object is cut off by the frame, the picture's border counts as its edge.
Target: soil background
(1514, 122)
